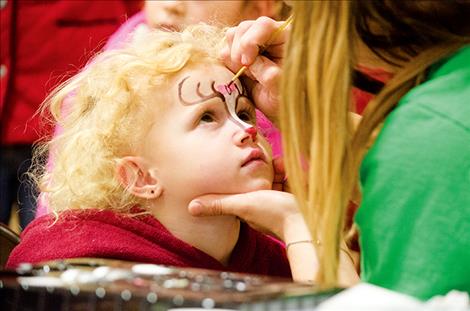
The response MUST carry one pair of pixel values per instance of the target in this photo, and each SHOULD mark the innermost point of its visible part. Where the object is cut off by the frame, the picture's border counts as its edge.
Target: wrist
(295, 229)
(309, 241)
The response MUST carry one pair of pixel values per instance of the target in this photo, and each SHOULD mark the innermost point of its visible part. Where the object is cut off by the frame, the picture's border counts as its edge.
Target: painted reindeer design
(229, 95)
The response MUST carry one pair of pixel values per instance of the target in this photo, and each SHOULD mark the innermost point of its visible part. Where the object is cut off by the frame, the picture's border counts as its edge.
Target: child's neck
(215, 235)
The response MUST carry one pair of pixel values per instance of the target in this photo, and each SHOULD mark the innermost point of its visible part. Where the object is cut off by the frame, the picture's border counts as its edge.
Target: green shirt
(414, 220)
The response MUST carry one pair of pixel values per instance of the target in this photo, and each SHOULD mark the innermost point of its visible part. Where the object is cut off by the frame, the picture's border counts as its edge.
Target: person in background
(41, 41)
(176, 15)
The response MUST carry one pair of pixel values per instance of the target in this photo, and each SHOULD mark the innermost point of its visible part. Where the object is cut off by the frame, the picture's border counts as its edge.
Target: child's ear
(138, 179)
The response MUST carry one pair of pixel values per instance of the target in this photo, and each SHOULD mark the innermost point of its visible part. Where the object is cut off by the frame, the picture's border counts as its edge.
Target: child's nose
(252, 132)
(176, 7)
(246, 135)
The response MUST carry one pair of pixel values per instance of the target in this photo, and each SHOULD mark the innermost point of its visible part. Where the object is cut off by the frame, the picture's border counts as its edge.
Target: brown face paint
(222, 92)
(198, 92)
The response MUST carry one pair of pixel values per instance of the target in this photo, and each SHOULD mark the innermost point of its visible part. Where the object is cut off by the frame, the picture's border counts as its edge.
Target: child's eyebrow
(214, 94)
(203, 97)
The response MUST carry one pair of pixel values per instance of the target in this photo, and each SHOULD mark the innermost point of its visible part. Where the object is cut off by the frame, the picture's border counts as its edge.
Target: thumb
(214, 205)
(265, 93)
(266, 72)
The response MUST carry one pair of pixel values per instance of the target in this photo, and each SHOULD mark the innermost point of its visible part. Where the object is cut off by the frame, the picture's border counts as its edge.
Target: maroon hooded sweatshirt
(142, 238)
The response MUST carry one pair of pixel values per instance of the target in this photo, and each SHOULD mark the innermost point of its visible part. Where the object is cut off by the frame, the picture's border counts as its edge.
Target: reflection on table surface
(103, 284)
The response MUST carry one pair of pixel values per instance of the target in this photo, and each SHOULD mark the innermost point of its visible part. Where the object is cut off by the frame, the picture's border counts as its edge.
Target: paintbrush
(286, 23)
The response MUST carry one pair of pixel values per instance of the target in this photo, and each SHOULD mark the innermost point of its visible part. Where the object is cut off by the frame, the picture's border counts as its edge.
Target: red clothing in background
(41, 41)
(41, 44)
(106, 234)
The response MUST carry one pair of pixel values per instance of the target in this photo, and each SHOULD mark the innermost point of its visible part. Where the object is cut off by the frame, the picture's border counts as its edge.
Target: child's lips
(256, 155)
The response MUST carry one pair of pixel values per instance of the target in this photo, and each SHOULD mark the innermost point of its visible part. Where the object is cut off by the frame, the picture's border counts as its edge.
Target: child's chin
(256, 185)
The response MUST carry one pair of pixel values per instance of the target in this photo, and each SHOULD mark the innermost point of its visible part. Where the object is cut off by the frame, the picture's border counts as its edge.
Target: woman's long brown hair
(322, 153)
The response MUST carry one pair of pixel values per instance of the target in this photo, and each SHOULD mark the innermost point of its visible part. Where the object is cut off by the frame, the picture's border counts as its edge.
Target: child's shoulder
(78, 233)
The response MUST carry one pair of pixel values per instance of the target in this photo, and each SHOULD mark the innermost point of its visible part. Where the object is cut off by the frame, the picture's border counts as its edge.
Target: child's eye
(207, 117)
(247, 116)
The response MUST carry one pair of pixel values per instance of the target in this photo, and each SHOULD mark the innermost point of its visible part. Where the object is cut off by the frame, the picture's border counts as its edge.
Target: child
(150, 128)
(168, 15)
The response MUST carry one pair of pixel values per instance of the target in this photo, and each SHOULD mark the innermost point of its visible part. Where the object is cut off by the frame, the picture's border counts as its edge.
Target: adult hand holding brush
(258, 46)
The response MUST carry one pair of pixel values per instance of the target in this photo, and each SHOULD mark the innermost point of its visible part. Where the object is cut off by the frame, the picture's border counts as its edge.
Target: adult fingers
(279, 174)
(266, 72)
(214, 205)
(265, 93)
(225, 53)
(235, 48)
(278, 164)
(280, 182)
(245, 40)
(259, 35)
(266, 210)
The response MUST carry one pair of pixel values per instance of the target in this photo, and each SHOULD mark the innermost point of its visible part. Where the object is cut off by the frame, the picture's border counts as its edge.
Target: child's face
(178, 14)
(205, 140)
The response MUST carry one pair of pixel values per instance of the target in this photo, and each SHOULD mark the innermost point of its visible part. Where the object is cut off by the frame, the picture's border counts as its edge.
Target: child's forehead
(200, 83)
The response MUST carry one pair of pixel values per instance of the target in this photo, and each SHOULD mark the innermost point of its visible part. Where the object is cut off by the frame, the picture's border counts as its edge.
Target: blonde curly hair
(103, 114)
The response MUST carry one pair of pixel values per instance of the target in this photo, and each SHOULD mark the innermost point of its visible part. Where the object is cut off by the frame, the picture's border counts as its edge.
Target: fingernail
(244, 60)
(195, 206)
